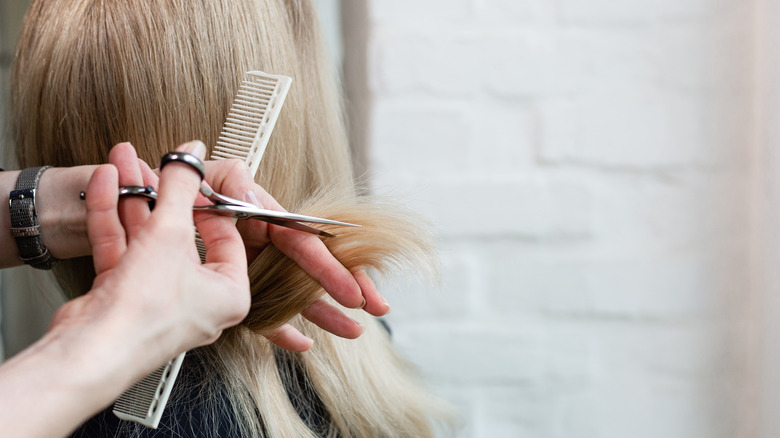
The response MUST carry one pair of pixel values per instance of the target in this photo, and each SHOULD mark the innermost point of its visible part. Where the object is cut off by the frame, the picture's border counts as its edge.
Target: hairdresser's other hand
(350, 289)
(149, 276)
(353, 290)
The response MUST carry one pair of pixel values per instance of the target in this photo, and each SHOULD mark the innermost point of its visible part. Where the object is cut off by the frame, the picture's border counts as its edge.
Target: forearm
(61, 214)
(60, 381)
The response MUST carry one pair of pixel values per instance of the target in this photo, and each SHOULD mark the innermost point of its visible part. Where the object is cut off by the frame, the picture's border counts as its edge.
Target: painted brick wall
(587, 166)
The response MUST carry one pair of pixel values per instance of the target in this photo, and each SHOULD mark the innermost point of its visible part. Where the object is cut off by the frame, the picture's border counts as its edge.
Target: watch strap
(24, 220)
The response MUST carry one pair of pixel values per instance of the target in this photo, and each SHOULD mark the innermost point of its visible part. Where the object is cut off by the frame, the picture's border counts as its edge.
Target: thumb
(179, 183)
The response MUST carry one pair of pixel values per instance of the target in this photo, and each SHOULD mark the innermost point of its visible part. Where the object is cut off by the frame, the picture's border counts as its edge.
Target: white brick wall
(766, 200)
(587, 166)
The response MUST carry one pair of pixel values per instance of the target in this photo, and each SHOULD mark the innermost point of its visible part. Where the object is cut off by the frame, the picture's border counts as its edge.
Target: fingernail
(195, 147)
(251, 197)
(363, 304)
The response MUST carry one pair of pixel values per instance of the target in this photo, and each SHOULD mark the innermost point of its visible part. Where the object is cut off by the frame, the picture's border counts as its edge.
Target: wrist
(62, 216)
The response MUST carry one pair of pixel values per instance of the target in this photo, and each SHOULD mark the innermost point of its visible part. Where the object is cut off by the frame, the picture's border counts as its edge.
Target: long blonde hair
(89, 74)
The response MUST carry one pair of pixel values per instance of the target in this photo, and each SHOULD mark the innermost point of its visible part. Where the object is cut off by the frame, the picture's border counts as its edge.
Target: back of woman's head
(89, 74)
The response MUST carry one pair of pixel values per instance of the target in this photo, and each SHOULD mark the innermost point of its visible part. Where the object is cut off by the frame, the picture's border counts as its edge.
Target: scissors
(228, 206)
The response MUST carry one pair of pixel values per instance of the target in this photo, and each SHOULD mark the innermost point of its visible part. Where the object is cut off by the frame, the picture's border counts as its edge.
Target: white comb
(244, 136)
(145, 401)
(252, 118)
(249, 124)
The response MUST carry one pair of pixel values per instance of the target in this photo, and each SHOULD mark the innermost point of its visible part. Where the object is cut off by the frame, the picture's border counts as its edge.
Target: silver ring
(188, 159)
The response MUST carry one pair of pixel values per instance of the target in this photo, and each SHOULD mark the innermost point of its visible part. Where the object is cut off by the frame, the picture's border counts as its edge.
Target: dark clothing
(186, 416)
(183, 417)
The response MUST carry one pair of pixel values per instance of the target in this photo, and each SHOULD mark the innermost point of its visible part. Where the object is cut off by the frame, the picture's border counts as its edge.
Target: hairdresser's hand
(350, 289)
(151, 300)
(148, 272)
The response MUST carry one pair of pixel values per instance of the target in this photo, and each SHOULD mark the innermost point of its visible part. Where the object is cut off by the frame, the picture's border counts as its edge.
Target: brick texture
(586, 164)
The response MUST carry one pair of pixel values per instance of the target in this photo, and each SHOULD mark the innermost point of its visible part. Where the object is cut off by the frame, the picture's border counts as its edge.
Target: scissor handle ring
(144, 192)
(139, 191)
(188, 159)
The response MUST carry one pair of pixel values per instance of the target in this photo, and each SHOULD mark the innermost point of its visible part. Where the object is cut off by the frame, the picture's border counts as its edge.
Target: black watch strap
(24, 220)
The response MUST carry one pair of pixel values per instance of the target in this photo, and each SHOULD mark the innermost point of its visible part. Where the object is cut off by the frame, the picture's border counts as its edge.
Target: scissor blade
(295, 226)
(230, 210)
(285, 216)
(220, 199)
(243, 212)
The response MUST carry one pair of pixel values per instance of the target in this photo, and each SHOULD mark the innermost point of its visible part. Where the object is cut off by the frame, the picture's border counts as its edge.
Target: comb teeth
(249, 124)
(252, 118)
(144, 402)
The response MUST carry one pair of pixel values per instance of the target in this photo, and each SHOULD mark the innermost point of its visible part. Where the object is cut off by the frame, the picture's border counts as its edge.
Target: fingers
(233, 178)
(150, 178)
(327, 317)
(230, 177)
(375, 303)
(289, 338)
(221, 239)
(313, 257)
(133, 211)
(179, 183)
(104, 229)
(254, 233)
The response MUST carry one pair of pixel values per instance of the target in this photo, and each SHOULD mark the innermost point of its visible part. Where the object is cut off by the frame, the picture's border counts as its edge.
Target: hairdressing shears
(228, 206)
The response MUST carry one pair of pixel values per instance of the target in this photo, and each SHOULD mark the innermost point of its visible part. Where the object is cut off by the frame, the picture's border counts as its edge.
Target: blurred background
(605, 191)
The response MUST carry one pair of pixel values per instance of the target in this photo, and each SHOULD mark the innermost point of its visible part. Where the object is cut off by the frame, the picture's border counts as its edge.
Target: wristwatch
(24, 220)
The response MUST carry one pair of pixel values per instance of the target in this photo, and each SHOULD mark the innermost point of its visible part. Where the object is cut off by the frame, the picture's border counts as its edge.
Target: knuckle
(236, 165)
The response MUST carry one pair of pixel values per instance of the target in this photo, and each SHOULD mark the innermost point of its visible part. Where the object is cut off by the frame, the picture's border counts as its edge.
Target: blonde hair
(89, 74)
